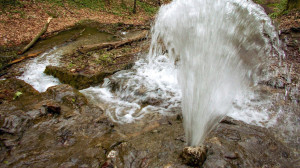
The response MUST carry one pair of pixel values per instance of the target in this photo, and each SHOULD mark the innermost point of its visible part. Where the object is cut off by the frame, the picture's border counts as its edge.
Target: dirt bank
(23, 23)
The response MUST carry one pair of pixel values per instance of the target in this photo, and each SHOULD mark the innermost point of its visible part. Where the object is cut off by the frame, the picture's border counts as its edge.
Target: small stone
(73, 70)
(168, 166)
(67, 165)
(34, 114)
(155, 131)
(194, 156)
(181, 138)
(231, 155)
(84, 166)
(179, 117)
(52, 108)
(112, 154)
(108, 164)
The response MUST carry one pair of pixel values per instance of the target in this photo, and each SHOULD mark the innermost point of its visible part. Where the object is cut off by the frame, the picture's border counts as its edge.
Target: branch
(33, 41)
(19, 60)
(88, 48)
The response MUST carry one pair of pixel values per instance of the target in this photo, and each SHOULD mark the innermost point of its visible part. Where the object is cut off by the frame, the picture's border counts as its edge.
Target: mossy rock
(77, 80)
(67, 95)
(15, 89)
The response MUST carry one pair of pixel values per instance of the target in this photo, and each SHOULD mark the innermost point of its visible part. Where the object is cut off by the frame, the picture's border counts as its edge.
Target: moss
(10, 90)
(78, 81)
(8, 54)
(259, 1)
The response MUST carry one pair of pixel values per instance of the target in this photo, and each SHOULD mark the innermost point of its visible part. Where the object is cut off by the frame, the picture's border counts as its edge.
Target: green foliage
(9, 4)
(259, 1)
(71, 65)
(279, 9)
(105, 58)
(92, 4)
(123, 8)
(17, 95)
(147, 8)
(52, 14)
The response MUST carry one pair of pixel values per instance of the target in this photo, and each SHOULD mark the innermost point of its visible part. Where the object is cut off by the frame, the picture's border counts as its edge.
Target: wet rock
(52, 108)
(236, 144)
(231, 135)
(194, 156)
(58, 92)
(65, 138)
(141, 91)
(168, 166)
(66, 94)
(278, 83)
(9, 87)
(13, 123)
(84, 166)
(181, 138)
(231, 155)
(77, 80)
(108, 164)
(125, 155)
(67, 165)
(34, 114)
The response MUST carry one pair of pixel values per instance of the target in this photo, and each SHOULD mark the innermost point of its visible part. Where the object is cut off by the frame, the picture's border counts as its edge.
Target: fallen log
(24, 57)
(33, 41)
(18, 60)
(111, 45)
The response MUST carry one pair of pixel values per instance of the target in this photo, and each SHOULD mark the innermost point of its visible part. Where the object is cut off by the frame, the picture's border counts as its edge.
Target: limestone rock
(194, 156)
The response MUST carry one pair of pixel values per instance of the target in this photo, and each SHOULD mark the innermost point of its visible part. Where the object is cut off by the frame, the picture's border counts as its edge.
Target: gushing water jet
(220, 48)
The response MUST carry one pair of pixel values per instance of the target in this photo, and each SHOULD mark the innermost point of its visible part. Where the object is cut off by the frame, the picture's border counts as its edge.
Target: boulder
(77, 80)
(194, 156)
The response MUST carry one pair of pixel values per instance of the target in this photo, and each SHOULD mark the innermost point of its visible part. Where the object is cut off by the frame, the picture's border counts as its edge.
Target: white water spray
(34, 75)
(220, 47)
(213, 49)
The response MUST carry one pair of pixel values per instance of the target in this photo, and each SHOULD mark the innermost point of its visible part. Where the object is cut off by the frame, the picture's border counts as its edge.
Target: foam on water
(205, 57)
(148, 88)
(34, 71)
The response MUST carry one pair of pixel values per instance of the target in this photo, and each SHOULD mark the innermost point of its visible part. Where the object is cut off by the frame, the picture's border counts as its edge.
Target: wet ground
(63, 128)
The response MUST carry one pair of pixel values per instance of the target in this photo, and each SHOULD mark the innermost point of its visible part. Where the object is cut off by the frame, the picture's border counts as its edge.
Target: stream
(208, 60)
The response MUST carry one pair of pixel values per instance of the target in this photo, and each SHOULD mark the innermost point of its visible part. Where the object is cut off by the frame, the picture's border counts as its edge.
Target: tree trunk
(134, 7)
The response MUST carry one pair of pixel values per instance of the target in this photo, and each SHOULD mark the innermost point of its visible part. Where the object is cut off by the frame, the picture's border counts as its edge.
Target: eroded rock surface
(236, 144)
(81, 135)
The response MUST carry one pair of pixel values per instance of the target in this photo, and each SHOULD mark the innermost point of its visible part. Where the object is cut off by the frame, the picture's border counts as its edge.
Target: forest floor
(62, 128)
(22, 23)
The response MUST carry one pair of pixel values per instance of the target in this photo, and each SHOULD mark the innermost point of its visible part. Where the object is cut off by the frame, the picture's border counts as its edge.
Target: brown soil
(290, 20)
(16, 28)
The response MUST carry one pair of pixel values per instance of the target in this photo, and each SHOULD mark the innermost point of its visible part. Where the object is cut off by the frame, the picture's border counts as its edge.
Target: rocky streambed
(62, 127)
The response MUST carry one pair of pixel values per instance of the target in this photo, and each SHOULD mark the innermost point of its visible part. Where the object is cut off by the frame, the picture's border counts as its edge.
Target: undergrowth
(116, 7)
(280, 8)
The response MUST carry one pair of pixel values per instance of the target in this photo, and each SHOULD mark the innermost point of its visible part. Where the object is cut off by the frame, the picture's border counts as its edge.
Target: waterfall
(220, 48)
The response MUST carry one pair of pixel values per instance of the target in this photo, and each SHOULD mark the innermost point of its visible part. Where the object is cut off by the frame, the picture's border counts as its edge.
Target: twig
(63, 2)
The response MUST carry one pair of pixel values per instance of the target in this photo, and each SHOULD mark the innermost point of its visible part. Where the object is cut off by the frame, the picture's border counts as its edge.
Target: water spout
(220, 48)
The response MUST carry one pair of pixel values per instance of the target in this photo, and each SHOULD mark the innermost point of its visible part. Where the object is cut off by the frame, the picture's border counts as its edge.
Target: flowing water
(206, 58)
(34, 72)
(221, 49)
